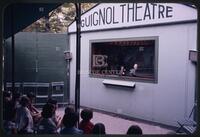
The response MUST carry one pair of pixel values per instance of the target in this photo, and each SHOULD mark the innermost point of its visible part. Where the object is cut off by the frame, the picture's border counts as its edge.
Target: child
(8, 106)
(99, 128)
(24, 119)
(9, 125)
(69, 121)
(57, 119)
(69, 109)
(34, 111)
(46, 125)
(85, 124)
(134, 129)
(16, 100)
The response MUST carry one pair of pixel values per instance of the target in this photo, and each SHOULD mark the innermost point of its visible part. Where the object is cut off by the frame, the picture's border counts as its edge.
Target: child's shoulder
(91, 123)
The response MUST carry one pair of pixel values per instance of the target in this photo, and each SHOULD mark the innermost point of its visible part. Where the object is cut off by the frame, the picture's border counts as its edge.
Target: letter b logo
(100, 61)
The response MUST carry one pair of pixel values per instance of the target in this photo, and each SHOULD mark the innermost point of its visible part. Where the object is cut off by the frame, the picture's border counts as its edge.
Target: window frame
(137, 79)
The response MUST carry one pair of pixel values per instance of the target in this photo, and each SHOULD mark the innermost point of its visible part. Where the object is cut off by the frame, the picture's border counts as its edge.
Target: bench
(188, 126)
(189, 129)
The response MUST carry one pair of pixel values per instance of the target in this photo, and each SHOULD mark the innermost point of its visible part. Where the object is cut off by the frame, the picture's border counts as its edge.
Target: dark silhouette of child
(24, 119)
(56, 118)
(34, 111)
(47, 125)
(85, 124)
(9, 124)
(69, 109)
(134, 129)
(99, 128)
(69, 121)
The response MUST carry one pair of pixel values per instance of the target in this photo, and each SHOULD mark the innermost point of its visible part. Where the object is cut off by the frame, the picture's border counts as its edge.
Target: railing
(41, 90)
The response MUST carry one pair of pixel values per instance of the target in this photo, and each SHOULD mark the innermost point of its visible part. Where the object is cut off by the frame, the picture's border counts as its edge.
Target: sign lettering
(130, 12)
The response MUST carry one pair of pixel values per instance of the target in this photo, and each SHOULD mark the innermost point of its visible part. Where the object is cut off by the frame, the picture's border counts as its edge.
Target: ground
(116, 125)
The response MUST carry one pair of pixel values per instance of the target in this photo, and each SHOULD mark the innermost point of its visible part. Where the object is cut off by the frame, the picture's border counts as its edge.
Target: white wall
(169, 100)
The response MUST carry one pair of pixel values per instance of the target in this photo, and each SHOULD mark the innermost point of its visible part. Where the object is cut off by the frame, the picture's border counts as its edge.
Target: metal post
(13, 49)
(1, 67)
(78, 55)
(68, 80)
(68, 57)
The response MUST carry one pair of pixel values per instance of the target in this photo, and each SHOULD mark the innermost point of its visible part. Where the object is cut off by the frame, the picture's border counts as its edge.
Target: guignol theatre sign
(117, 15)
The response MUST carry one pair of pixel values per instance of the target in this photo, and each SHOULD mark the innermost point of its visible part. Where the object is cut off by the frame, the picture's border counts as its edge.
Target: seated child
(8, 124)
(46, 125)
(69, 121)
(85, 124)
(16, 99)
(24, 118)
(134, 129)
(7, 103)
(99, 128)
(34, 111)
(57, 119)
(69, 109)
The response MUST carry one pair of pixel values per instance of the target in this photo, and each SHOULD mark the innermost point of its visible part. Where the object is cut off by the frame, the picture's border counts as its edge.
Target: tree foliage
(58, 20)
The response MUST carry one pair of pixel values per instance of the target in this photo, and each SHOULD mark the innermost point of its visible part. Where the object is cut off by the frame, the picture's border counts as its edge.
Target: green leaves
(58, 20)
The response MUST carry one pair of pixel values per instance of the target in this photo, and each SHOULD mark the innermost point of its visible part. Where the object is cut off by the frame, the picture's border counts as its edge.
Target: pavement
(119, 126)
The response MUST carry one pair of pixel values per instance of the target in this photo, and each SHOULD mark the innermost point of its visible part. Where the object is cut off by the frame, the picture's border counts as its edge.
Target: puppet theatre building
(137, 60)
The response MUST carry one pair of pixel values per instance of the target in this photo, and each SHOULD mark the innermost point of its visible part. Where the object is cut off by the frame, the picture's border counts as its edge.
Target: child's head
(24, 101)
(47, 111)
(70, 119)
(134, 129)
(86, 114)
(54, 103)
(31, 96)
(16, 96)
(7, 95)
(99, 128)
(69, 109)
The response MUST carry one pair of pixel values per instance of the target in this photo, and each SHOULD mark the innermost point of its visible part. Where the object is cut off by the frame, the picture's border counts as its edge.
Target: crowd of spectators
(20, 116)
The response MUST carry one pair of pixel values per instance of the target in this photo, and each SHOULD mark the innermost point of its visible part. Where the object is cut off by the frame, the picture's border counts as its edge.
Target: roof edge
(188, 5)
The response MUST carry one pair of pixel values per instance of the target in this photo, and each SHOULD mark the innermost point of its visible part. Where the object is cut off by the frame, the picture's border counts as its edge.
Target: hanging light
(68, 55)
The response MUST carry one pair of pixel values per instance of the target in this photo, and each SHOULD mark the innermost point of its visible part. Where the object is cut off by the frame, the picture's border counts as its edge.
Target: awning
(24, 14)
